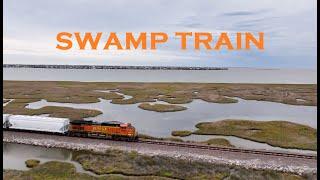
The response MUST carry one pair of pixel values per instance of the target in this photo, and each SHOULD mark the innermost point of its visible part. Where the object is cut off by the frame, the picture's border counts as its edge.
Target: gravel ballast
(256, 161)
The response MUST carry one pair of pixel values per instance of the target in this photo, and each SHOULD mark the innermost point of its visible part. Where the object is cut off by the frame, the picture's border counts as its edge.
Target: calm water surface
(244, 143)
(162, 124)
(15, 155)
(232, 75)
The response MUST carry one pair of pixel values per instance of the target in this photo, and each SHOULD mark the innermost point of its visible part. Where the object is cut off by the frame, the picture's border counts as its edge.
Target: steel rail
(196, 146)
(240, 150)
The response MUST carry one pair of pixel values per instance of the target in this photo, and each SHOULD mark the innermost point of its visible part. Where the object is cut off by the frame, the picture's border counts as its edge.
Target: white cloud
(30, 29)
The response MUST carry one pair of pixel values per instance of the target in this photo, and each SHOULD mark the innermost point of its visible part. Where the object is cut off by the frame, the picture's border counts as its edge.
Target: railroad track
(247, 151)
(199, 146)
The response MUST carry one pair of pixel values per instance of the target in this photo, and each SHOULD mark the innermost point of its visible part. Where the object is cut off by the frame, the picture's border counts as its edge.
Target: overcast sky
(31, 27)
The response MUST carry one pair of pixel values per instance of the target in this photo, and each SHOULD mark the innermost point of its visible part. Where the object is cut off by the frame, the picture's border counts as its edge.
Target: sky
(30, 29)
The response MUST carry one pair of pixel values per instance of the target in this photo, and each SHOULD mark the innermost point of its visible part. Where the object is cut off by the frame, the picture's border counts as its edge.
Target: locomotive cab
(132, 133)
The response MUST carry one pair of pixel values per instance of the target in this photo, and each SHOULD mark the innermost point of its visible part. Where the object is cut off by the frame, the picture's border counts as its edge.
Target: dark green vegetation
(218, 142)
(54, 170)
(25, 92)
(276, 133)
(30, 163)
(134, 164)
(161, 107)
(144, 136)
(116, 164)
(213, 142)
(181, 133)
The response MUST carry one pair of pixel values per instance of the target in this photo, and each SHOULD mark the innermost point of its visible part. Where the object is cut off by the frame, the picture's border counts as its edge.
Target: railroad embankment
(248, 161)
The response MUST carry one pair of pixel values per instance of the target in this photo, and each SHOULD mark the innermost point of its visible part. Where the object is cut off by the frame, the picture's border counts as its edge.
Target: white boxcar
(39, 123)
(5, 120)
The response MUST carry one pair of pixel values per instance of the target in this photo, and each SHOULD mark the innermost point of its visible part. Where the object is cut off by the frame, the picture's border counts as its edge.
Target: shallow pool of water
(15, 155)
(244, 143)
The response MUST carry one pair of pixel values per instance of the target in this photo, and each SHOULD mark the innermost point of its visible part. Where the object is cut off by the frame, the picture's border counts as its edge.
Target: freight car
(106, 130)
(36, 123)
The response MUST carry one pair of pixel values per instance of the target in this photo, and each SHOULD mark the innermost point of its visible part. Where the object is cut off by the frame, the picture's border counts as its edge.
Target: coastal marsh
(276, 133)
(108, 101)
(24, 92)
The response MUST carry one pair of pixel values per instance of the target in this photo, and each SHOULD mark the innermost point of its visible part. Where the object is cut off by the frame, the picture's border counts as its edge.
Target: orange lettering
(88, 37)
(154, 39)
(141, 39)
(205, 42)
(63, 40)
(258, 43)
(113, 40)
(223, 40)
(183, 38)
(239, 41)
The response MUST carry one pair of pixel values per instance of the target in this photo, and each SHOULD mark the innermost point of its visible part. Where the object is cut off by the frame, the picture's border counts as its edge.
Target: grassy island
(31, 163)
(218, 142)
(276, 133)
(183, 133)
(161, 107)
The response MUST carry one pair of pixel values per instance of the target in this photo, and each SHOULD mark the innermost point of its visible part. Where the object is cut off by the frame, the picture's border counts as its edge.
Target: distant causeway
(110, 67)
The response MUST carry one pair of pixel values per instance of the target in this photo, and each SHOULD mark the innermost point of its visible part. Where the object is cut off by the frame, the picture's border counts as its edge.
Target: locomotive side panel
(102, 131)
(118, 131)
(93, 128)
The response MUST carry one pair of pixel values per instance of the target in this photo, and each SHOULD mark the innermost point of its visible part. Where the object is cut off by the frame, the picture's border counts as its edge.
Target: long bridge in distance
(52, 66)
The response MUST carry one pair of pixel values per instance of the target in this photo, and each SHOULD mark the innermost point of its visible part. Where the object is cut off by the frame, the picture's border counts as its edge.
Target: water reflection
(15, 155)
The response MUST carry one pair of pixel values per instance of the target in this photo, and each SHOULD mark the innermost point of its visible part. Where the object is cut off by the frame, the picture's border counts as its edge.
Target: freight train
(105, 130)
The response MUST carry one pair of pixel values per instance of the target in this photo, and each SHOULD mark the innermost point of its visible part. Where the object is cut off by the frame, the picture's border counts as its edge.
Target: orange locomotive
(108, 130)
